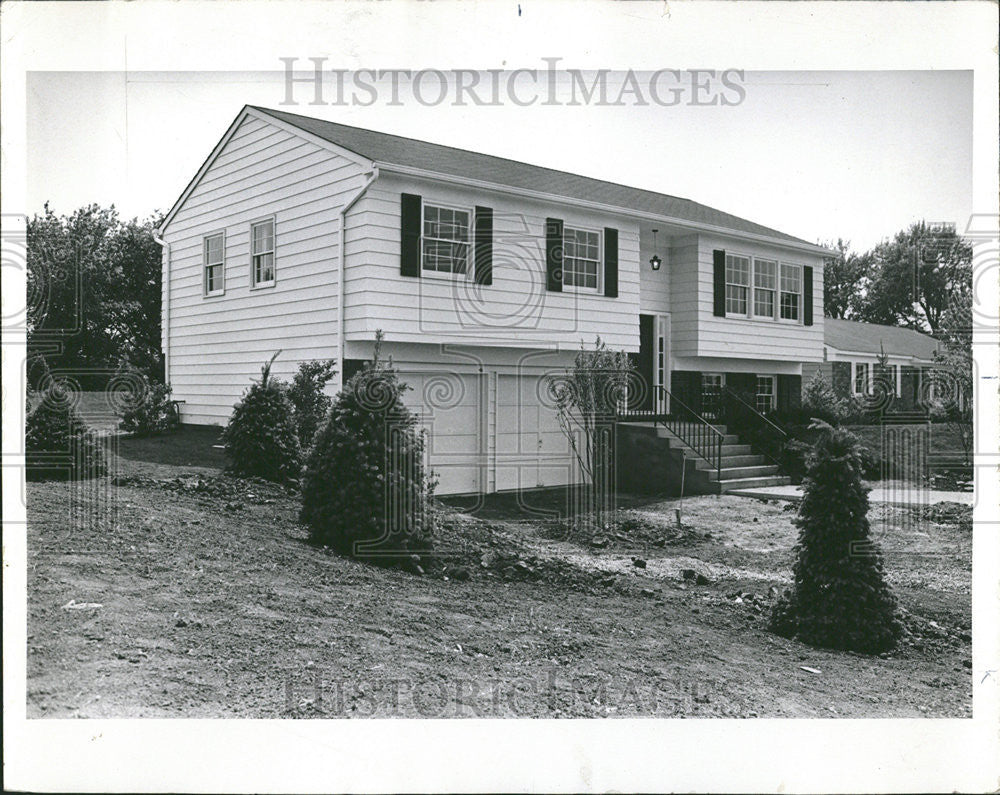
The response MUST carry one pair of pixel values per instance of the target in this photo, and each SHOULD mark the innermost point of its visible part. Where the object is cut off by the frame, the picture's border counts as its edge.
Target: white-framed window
(791, 290)
(214, 263)
(765, 277)
(765, 394)
(262, 254)
(737, 284)
(862, 383)
(445, 242)
(711, 393)
(891, 374)
(581, 258)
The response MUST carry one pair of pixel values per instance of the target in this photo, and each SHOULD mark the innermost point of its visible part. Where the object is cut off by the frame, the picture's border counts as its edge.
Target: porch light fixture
(655, 260)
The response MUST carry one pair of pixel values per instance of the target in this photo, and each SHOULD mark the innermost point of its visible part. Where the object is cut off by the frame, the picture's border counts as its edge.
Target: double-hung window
(765, 393)
(737, 284)
(765, 276)
(581, 258)
(214, 258)
(445, 244)
(791, 289)
(262, 254)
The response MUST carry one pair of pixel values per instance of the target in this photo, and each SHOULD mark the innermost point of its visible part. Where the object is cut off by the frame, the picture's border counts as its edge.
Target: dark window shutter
(807, 295)
(410, 213)
(789, 392)
(553, 254)
(611, 262)
(484, 245)
(685, 385)
(647, 358)
(719, 283)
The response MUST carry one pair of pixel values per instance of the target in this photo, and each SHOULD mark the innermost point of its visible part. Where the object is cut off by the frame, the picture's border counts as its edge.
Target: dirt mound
(231, 490)
(948, 513)
(470, 548)
(626, 529)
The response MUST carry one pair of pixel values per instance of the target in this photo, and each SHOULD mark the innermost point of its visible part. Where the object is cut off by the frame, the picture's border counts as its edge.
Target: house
(485, 274)
(851, 364)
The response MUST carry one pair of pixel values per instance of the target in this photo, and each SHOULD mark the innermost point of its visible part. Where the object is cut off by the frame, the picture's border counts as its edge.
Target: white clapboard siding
(515, 310)
(697, 332)
(218, 344)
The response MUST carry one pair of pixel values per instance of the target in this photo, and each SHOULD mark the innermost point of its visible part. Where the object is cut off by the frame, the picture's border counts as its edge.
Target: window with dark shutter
(553, 254)
(410, 212)
(611, 262)
(719, 283)
(807, 295)
(484, 245)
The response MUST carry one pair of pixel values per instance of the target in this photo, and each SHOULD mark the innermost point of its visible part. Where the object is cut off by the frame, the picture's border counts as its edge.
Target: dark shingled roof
(850, 335)
(394, 149)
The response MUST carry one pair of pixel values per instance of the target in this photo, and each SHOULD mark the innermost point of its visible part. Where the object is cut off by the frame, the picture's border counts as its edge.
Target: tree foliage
(840, 598)
(260, 438)
(912, 278)
(843, 275)
(308, 397)
(364, 489)
(93, 285)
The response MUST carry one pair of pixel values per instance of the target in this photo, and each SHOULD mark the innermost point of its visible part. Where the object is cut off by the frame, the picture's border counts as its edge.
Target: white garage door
(451, 407)
(531, 449)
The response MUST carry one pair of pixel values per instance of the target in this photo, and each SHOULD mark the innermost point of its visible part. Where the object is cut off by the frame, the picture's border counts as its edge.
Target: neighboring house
(485, 275)
(851, 364)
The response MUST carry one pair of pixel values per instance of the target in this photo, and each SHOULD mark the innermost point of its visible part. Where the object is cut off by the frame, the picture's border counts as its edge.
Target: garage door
(530, 447)
(451, 407)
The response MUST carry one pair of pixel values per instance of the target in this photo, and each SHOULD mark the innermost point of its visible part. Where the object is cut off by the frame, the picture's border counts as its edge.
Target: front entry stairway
(739, 467)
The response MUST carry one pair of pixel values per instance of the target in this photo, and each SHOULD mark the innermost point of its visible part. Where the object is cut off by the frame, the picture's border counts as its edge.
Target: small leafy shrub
(840, 598)
(364, 489)
(260, 438)
(820, 401)
(58, 445)
(150, 410)
(308, 399)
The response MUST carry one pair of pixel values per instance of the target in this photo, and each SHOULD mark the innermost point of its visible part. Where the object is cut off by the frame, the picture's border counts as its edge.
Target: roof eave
(386, 167)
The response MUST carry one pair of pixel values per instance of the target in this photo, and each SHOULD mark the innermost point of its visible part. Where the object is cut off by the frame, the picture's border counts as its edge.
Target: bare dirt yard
(190, 594)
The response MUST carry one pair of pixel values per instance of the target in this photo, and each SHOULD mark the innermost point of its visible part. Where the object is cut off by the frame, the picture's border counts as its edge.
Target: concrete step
(735, 449)
(753, 483)
(729, 438)
(741, 473)
(736, 461)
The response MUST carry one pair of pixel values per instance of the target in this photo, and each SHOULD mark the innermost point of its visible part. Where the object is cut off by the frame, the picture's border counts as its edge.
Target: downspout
(165, 287)
(341, 275)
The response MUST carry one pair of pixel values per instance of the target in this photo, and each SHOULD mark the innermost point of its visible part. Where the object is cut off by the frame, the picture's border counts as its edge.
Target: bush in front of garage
(365, 492)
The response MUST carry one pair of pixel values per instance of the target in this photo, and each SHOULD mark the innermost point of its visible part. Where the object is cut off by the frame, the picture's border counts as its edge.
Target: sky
(819, 155)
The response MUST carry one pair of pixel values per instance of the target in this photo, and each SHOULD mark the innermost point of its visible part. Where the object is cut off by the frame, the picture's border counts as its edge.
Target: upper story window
(445, 240)
(214, 255)
(759, 288)
(581, 258)
(765, 277)
(862, 378)
(791, 289)
(737, 284)
(262, 254)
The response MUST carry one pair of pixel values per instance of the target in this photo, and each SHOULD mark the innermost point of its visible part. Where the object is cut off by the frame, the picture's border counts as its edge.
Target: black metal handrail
(753, 426)
(682, 421)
